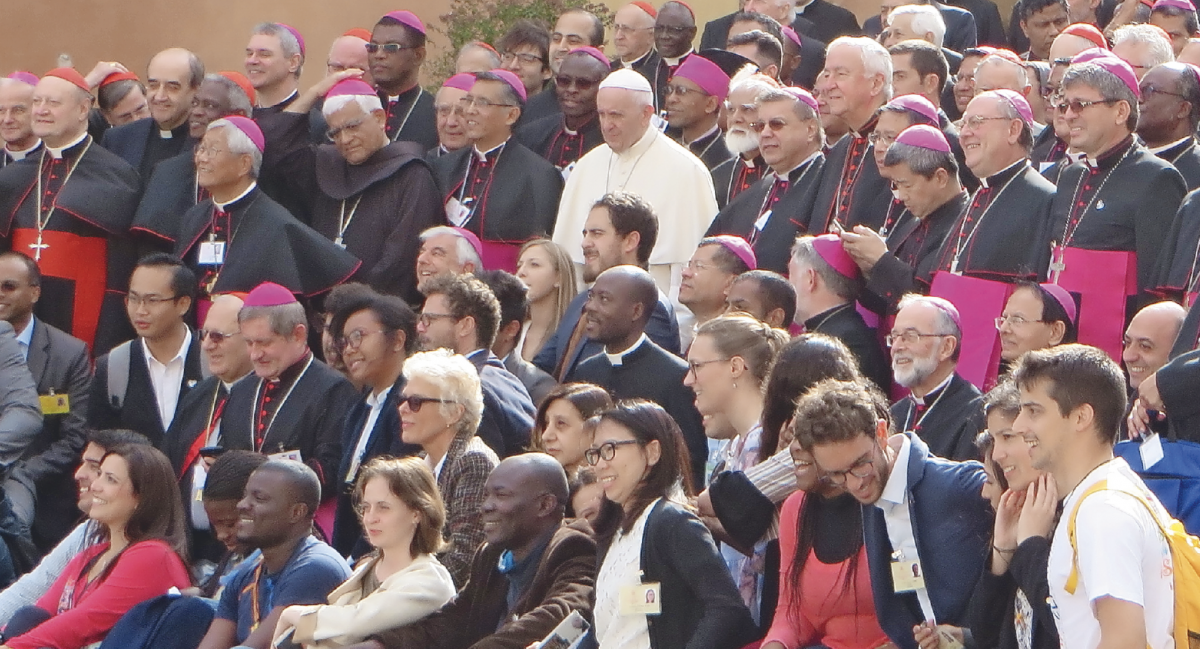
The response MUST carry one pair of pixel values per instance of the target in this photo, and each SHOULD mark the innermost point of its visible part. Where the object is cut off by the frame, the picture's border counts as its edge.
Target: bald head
(540, 472)
(1149, 338)
(347, 52)
(1066, 46)
(1190, 53)
(635, 282)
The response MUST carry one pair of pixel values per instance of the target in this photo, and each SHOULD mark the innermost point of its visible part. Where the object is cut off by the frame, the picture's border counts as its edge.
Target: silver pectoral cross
(1057, 265)
(38, 248)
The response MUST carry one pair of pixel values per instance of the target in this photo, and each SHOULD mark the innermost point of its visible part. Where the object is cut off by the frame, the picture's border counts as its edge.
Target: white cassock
(668, 177)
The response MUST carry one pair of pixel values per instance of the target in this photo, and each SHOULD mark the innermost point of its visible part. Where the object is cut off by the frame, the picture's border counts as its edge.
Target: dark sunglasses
(416, 402)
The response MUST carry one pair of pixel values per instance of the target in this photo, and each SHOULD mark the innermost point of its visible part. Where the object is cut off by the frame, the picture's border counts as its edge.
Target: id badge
(1151, 450)
(640, 599)
(286, 455)
(456, 212)
(907, 576)
(212, 253)
(565, 172)
(762, 221)
(55, 404)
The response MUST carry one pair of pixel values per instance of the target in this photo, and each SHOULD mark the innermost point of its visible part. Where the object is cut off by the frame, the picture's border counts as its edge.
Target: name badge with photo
(286, 455)
(457, 212)
(907, 576)
(55, 404)
(212, 253)
(640, 599)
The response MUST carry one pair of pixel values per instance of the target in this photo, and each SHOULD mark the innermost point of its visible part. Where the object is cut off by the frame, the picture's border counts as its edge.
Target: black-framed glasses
(565, 81)
(672, 30)
(862, 469)
(606, 451)
(354, 339)
(389, 48)
(1151, 89)
(133, 299)
(1077, 106)
(910, 337)
(694, 366)
(349, 127)
(775, 124)
(415, 402)
(217, 337)
(1014, 321)
(426, 319)
(525, 57)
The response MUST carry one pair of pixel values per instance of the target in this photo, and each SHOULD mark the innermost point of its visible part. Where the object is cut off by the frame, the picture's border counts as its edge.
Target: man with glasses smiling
(564, 138)
(924, 563)
(395, 55)
(694, 95)
(139, 384)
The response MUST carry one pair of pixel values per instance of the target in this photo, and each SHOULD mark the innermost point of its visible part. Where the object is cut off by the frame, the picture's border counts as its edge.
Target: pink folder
(979, 302)
(1103, 280)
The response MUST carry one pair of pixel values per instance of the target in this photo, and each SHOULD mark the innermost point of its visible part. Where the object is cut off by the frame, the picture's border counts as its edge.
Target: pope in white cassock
(637, 157)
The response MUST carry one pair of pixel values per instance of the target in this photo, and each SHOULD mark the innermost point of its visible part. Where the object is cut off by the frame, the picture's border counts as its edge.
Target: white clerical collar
(940, 386)
(675, 61)
(749, 162)
(715, 127)
(984, 181)
(1159, 149)
(166, 134)
(619, 358)
(57, 152)
(20, 155)
(788, 175)
(482, 155)
(896, 489)
(221, 206)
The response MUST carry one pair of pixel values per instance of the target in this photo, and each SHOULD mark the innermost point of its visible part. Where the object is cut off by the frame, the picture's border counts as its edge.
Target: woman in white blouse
(401, 582)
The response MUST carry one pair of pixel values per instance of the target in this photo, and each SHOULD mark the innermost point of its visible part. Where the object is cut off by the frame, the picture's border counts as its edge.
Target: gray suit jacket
(537, 382)
(20, 413)
(60, 364)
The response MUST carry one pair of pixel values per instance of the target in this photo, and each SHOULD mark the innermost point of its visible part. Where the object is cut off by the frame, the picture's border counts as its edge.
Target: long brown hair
(159, 511)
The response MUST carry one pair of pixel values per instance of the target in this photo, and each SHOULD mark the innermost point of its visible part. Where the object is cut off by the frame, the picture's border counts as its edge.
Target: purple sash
(979, 303)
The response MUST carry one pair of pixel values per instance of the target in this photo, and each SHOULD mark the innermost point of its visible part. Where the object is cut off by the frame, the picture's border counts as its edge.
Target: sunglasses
(415, 401)
(775, 124)
(388, 48)
(217, 337)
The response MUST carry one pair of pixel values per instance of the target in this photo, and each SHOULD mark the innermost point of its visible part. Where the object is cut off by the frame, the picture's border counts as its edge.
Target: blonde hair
(564, 268)
(456, 381)
(738, 334)
(410, 480)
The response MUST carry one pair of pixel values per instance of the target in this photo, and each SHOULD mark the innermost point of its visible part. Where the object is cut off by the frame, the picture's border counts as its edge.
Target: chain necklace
(962, 244)
(1057, 265)
(42, 222)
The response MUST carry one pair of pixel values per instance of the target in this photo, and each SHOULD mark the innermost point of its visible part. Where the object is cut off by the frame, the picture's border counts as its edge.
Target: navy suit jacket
(663, 329)
(507, 409)
(952, 524)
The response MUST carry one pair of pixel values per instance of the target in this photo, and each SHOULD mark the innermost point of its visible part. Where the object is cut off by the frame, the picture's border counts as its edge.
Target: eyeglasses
(861, 469)
(698, 266)
(1077, 106)
(353, 339)
(426, 319)
(879, 139)
(1151, 89)
(208, 151)
(1013, 321)
(480, 102)
(681, 91)
(217, 337)
(350, 127)
(151, 301)
(910, 337)
(1048, 91)
(776, 124)
(415, 402)
(526, 57)
(976, 121)
(388, 48)
(606, 451)
(673, 31)
(564, 81)
(694, 366)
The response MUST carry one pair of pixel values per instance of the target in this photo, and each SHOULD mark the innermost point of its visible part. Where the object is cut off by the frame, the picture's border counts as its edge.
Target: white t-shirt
(1122, 554)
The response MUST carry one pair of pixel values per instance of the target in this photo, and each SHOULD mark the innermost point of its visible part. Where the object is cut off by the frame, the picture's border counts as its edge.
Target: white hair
(239, 143)
(239, 101)
(1159, 48)
(466, 253)
(759, 83)
(456, 381)
(368, 104)
(925, 19)
(875, 59)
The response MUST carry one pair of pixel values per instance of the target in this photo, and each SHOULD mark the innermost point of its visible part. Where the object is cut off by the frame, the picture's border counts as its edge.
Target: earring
(735, 385)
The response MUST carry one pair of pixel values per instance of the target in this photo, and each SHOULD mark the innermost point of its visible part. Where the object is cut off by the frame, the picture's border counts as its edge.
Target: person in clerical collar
(1178, 19)
(274, 60)
(448, 107)
(1169, 115)
(674, 31)
(349, 52)
(746, 167)
(447, 251)
(16, 117)
(694, 96)
(710, 273)
(121, 99)
(942, 407)
(764, 295)
(525, 52)
(564, 138)
(633, 33)
(396, 53)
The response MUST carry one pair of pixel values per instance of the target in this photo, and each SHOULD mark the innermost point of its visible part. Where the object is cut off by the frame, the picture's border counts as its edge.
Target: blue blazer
(507, 408)
(663, 329)
(952, 524)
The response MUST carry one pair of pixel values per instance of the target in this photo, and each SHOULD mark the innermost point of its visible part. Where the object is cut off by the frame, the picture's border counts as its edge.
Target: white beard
(915, 372)
(740, 142)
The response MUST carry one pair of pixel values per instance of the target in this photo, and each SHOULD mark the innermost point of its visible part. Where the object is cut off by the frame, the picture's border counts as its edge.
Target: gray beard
(919, 370)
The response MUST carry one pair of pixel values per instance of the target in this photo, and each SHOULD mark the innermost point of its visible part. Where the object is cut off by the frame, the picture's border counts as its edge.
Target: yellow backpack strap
(1073, 577)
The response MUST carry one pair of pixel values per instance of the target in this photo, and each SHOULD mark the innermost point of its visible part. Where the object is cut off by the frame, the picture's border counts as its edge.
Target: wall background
(131, 32)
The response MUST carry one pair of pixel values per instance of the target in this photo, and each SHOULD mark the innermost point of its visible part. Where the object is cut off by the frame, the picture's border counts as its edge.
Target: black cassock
(735, 176)
(378, 208)
(948, 420)
(710, 148)
(411, 118)
(263, 243)
(846, 324)
(549, 138)
(1178, 264)
(852, 192)
(306, 412)
(914, 247)
(1002, 236)
(511, 198)
(789, 214)
(1126, 203)
(1185, 157)
(650, 372)
(87, 201)
(170, 192)
(540, 106)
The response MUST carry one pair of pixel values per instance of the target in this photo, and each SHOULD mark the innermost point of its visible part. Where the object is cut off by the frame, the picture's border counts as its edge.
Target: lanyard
(268, 587)
(259, 445)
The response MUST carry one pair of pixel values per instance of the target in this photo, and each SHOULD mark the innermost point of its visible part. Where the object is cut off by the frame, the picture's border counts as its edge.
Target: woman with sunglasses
(657, 560)
(373, 334)
(558, 428)
(138, 555)
(400, 582)
(548, 273)
(440, 407)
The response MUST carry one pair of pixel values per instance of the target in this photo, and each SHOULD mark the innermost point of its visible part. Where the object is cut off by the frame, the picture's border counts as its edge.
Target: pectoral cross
(38, 248)
(1057, 265)
(338, 242)
(954, 266)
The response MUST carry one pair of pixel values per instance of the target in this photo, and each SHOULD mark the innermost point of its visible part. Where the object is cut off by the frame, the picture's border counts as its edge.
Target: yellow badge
(55, 404)
(906, 576)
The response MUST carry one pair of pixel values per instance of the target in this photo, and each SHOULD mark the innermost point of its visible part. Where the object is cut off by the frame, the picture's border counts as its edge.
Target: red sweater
(825, 616)
(143, 571)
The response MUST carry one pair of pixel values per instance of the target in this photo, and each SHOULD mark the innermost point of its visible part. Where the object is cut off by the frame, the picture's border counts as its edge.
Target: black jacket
(992, 609)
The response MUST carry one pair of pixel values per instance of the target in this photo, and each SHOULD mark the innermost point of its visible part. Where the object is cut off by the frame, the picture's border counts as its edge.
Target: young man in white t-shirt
(1072, 401)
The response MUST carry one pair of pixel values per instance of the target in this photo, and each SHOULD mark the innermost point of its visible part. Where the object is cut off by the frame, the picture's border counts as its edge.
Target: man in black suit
(829, 21)
(633, 366)
(41, 488)
(173, 77)
(809, 50)
(139, 383)
(461, 314)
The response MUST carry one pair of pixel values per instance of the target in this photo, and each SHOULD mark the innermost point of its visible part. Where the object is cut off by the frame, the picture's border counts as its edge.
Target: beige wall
(131, 31)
